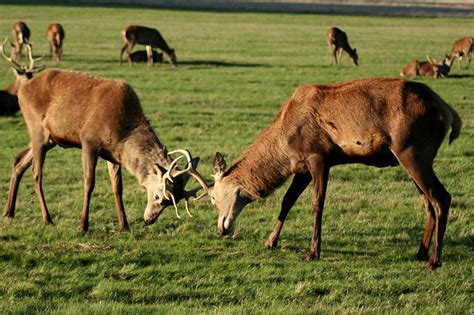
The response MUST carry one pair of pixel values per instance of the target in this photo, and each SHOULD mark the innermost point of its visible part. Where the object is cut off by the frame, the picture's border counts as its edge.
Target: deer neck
(263, 167)
(141, 151)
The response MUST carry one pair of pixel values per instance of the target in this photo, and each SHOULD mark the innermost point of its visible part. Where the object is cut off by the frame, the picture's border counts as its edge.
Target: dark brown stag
(149, 37)
(104, 119)
(462, 47)
(55, 34)
(21, 35)
(375, 121)
(338, 43)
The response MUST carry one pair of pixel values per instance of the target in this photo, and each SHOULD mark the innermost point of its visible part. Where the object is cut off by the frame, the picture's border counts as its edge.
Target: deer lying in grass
(104, 119)
(142, 56)
(375, 121)
(21, 35)
(149, 37)
(55, 35)
(462, 47)
(337, 42)
(430, 68)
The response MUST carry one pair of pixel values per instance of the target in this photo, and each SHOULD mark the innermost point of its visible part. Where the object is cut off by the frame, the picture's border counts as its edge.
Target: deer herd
(390, 122)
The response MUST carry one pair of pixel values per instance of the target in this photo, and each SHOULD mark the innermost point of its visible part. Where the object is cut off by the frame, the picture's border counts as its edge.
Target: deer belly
(371, 151)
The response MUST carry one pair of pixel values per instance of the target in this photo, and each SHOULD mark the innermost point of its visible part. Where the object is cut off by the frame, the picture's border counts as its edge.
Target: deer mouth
(151, 218)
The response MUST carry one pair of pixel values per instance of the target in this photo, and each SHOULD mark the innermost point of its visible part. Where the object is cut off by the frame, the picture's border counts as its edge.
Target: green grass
(235, 70)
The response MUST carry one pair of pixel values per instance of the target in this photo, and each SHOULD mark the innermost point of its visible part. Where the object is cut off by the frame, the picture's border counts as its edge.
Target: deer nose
(225, 226)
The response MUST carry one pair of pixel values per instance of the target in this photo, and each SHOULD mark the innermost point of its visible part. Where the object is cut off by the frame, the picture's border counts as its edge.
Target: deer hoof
(271, 243)
(433, 265)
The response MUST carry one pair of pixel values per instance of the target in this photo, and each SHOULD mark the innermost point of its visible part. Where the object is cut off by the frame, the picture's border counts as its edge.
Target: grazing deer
(55, 34)
(21, 35)
(462, 47)
(337, 42)
(430, 68)
(142, 56)
(103, 118)
(375, 121)
(149, 37)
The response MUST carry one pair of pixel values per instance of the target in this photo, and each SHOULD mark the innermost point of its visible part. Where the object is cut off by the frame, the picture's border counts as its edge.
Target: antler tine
(32, 60)
(10, 59)
(190, 169)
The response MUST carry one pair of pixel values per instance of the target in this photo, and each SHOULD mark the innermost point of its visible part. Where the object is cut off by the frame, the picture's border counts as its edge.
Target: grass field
(235, 70)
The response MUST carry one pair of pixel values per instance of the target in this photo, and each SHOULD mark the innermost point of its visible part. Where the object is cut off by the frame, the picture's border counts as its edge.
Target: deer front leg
(39, 155)
(298, 185)
(319, 172)
(20, 165)
(89, 162)
(117, 187)
(149, 55)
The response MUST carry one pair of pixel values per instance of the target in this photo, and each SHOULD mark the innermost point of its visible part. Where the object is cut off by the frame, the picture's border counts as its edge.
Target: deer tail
(455, 126)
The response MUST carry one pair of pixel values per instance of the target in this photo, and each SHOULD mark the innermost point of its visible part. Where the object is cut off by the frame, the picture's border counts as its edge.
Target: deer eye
(157, 197)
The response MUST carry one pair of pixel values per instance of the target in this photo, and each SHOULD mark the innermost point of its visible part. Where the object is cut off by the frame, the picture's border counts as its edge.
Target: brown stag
(149, 37)
(462, 47)
(55, 35)
(8, 97)
(430, 68)
(337, 42)
(21, 35)
(375, 121)
(104, 119)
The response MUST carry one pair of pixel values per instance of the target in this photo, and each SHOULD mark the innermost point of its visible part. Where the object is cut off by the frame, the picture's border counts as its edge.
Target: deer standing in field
(430, 68)
(376, 121)
(55, 35)
(338, 43)
(149, 37)
(21, 35)
(104, 119)
(142, 56)
(462, 47)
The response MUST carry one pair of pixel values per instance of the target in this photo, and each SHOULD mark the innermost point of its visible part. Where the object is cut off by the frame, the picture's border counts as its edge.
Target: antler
(10, 59)
(190, 170)
(32, 66)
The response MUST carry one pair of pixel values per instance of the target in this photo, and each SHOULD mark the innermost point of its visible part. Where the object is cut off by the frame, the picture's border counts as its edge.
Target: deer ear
(219, 166)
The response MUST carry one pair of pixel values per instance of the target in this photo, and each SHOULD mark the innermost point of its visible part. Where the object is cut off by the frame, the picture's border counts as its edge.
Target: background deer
(379, 122)
(462, 47)
(149, 37)
(430, 68)
(103, 118)
(142, 56)
(337, 42)
(55, 34)
(21, 35)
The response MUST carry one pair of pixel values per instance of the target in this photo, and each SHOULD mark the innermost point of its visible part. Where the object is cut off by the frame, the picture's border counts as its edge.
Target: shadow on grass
(461, 76)
(213, 63)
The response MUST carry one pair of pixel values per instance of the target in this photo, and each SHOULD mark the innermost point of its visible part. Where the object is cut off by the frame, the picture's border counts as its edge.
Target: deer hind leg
(39, 154)
(20, 165)
(298, 185)
(89, 162)
(421, 171)
(117, 188)
(319, 173)
(429, 227)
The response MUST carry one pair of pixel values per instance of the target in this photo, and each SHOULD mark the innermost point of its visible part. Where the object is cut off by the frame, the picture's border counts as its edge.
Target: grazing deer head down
(55, 35)
(21, 35)
(462, 47)
(375, 121)
(337, 42)
(104, 119)
(149, 37)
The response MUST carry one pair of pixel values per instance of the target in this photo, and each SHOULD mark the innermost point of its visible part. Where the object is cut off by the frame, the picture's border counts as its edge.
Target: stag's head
(354, 57)
(227, 196)
(22, 72)
(166, 187)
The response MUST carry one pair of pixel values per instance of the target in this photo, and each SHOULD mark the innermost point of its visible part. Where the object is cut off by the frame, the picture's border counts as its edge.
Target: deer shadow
(214, 63)
(461, 76)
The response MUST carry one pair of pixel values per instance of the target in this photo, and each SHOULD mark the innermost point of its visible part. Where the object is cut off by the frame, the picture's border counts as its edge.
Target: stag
(375, 121)
(430, 68)
(55, 34)
(149, 37)
(142, 56)
(21, 35)
(104, 119)
(337, 42)
(462, 47)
